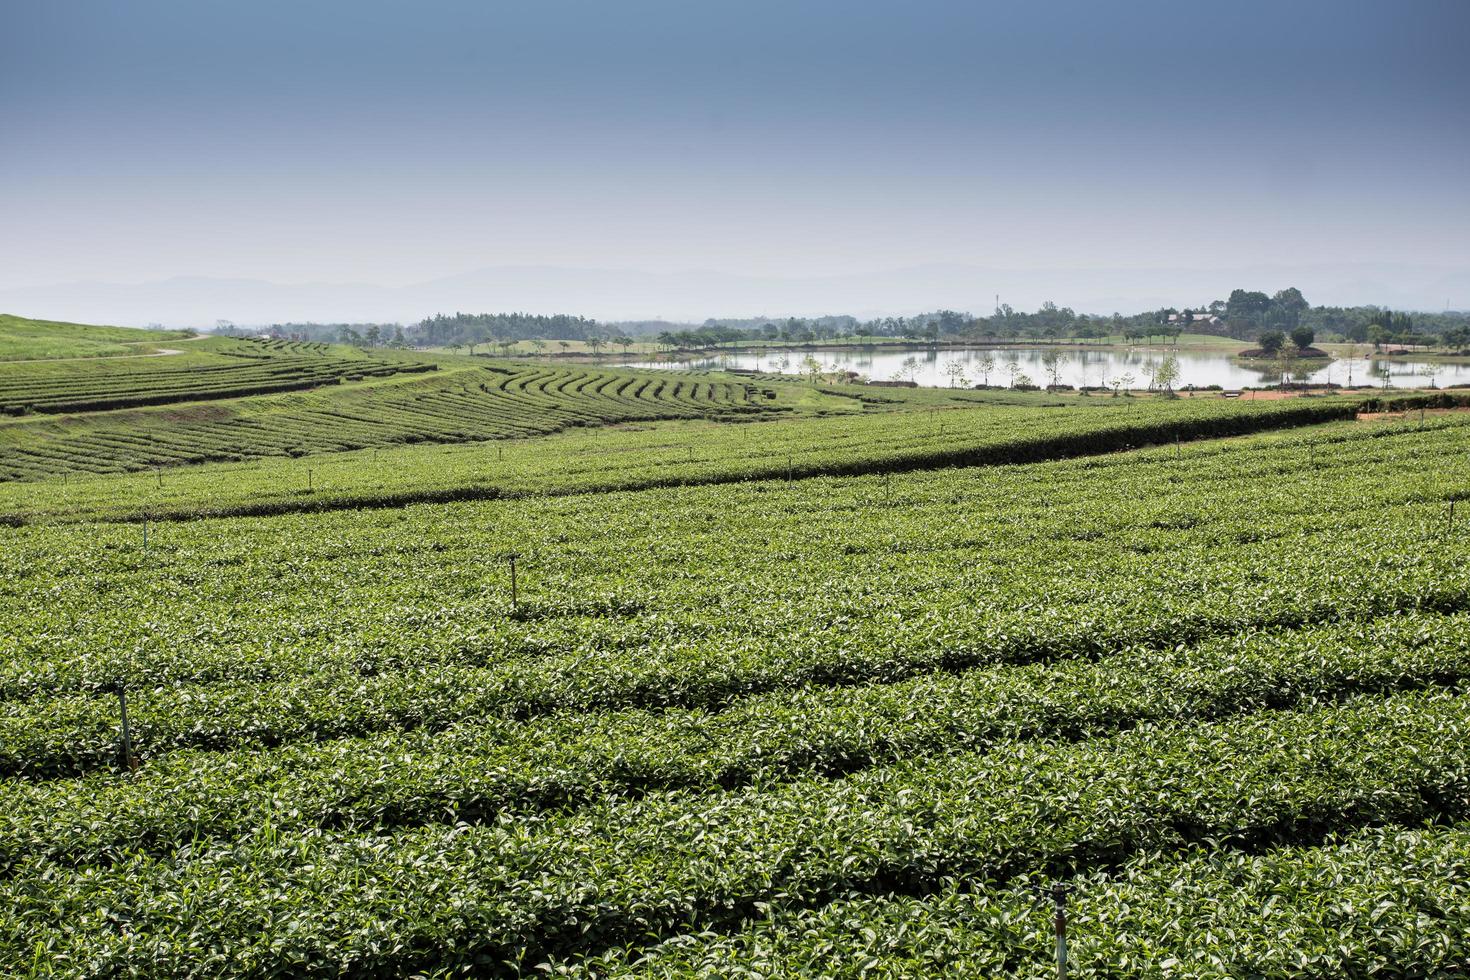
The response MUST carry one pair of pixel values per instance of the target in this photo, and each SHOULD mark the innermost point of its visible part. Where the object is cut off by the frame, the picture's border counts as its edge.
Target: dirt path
(161, 352)
(1405, 413)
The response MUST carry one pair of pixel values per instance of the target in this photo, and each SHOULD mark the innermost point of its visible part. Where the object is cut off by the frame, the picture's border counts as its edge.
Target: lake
(1082, 367)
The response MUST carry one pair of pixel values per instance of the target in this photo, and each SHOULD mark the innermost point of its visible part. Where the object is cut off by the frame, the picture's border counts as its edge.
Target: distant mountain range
(615, 294)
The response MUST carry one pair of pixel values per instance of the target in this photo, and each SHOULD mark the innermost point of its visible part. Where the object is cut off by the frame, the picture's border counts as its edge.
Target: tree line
(1245, 315)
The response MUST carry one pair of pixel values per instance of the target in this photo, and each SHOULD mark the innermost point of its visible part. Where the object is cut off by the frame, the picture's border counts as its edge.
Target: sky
(388, 143)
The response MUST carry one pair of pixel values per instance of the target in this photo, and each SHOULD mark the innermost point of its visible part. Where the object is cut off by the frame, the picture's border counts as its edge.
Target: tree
(475, 335)
(956, 370)
(1286, 356)
(625, 342)
(908, 369)
(1246, 311)
(812, 368)
(1054, 361)
(374, 335)
(595, 342)
(1303, 337)
(1271, 341)
(1288, 305)
(1167, 373)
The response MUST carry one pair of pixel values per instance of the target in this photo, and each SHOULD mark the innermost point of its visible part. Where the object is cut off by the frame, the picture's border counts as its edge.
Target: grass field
(25, 339)
(797, 685)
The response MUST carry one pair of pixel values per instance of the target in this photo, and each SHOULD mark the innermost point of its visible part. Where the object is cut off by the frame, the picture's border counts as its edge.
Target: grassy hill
(26, 339)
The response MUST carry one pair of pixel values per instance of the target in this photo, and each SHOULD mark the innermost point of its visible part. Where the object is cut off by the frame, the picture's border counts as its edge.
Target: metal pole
(308, 479)
(127, 734)
(1059, 898)
(513, 594)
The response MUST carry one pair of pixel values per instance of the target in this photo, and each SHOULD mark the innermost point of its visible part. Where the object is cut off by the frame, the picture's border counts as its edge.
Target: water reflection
(1092, 368)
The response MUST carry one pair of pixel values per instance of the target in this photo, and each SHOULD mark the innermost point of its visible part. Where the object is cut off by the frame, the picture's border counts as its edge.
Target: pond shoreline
(1091, 366)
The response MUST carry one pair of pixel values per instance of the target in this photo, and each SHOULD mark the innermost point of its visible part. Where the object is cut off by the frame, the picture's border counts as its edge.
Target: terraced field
(842, 725)
(376, 400)
(210, 369)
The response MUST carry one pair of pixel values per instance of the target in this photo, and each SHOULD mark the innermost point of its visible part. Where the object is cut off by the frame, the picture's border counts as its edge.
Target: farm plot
(211, 369)
(840, 725)
(592, 457)
(388, 403)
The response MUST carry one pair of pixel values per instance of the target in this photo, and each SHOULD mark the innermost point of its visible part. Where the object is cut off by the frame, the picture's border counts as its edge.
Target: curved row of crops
(461, 405)
(213, 369)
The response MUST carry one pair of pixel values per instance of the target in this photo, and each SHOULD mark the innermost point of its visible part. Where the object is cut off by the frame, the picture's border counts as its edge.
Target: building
(1198, 321)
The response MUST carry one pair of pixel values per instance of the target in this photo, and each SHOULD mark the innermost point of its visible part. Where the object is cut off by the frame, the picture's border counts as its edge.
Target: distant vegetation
(1244, 316)
(485, 328)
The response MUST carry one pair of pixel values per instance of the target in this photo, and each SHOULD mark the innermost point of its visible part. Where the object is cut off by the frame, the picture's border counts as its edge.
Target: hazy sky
(393, 142)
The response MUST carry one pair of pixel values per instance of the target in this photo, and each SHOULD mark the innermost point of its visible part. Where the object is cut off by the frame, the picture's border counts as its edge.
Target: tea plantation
(777, 682)
(225, 399)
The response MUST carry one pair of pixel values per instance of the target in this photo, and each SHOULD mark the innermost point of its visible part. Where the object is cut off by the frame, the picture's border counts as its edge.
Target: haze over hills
(616, 294)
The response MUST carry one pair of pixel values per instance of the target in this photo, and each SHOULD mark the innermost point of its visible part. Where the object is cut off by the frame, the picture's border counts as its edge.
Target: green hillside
(26, 339)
